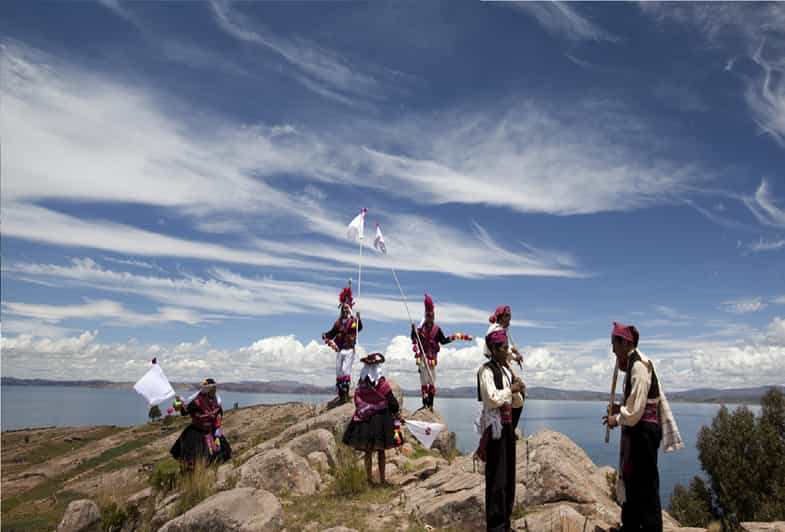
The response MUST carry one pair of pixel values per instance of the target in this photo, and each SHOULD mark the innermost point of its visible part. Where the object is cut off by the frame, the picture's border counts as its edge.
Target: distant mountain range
(699, 395)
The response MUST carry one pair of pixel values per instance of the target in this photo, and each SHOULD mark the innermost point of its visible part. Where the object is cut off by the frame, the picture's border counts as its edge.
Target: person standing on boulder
(501, 319)
(430, 337)
(646, 421)
(343, 337)
(496, 386)
(374, 425)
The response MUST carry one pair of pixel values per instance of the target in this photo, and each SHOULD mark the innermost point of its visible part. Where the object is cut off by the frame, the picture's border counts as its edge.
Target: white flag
(425, 433)
(378, 242)
(357, 227)
(154, 386)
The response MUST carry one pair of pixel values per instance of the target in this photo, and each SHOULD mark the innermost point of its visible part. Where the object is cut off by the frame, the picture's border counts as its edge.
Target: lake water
(62, 406)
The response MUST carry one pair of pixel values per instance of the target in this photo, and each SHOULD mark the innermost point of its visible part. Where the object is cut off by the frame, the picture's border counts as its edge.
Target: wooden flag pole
(611, 399)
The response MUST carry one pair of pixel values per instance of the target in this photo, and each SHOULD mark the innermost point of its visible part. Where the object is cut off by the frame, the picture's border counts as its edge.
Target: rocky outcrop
(240, 509)
(80, 516)
(280, 471)
(318, 440)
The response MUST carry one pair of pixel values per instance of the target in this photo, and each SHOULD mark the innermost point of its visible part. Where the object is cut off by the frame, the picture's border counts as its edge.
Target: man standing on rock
(646, 421)
(342, 338)
(430, 337)
(495, 388)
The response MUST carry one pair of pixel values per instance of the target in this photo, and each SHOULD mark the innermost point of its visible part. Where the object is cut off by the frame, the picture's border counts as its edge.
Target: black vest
(654, 389)
(498, 380)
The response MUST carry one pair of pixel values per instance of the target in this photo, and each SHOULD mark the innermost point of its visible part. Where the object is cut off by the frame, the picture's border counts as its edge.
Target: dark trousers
(500, 480)
(642, 509)
(516, 416)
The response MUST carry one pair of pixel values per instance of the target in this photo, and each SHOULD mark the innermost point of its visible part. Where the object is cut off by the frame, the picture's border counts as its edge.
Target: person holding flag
(342, 338)
(427, 340)
(202, 440)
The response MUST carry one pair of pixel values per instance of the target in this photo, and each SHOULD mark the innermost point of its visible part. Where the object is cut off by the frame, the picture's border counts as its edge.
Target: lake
(64, 406)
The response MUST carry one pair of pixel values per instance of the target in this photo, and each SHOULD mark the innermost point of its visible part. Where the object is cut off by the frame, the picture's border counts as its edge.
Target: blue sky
(177, 179)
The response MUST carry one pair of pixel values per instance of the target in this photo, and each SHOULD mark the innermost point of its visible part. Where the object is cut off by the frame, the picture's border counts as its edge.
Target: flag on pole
(425, 433)
(357, 227)
(154, 386)
(378, 242)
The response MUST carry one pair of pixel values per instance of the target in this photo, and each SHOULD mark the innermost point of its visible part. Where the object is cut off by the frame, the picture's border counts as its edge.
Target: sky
(177, 179)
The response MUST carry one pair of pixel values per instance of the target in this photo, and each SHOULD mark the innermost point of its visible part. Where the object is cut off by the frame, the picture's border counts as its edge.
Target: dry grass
(194, 487)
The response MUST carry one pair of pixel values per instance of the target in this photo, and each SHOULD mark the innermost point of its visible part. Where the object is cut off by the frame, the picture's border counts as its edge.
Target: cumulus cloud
(681, 363)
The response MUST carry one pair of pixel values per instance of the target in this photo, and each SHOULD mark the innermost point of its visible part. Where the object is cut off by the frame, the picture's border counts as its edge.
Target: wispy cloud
(319, 69)
(224, 293)
(744, 306)
(762, 245)
(106, 311)
(562, 20)
(763, 206)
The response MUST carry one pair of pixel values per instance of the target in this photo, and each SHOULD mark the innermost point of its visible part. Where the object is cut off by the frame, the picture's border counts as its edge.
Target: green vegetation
(349, 476)
(165, 475)
(744, 459)
(41, 507)
(154, 413)
(194, 487)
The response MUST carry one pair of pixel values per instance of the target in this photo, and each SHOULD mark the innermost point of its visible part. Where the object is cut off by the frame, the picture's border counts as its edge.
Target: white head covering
(373, 371)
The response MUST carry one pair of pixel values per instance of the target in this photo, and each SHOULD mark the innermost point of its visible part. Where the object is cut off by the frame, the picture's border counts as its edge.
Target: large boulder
(280, 471)
(560, 517)
(453, 496)
(319, 440)
(240, 509)
(80, 516)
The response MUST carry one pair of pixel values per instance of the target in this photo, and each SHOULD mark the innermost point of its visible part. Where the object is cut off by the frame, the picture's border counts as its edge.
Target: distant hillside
(699, 395)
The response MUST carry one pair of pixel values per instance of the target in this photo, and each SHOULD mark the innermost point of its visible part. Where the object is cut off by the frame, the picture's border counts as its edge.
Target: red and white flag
(378, 242)
(357, 227)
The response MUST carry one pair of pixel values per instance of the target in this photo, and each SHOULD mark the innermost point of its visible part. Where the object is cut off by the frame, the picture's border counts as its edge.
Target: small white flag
(154, 386)
(357, 227)
(425, 433)
(378, 242)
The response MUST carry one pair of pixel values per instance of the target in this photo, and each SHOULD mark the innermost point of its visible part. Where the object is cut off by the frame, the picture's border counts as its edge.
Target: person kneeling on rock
(203, 439)
(374, 425)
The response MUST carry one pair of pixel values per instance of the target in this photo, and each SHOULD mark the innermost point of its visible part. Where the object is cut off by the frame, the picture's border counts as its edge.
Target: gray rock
(319, 462)
(80, 516)
(280, 471)
(339, 529)
(140, 497)
(561, 517)
(240, 509)
(320, 440)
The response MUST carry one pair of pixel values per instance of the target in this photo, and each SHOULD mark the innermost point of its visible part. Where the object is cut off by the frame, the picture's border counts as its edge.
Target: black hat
(373, 358)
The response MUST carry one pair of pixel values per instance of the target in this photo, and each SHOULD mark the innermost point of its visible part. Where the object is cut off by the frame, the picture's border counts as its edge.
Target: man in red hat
(344, 337)
(430, 337)
(646, 421)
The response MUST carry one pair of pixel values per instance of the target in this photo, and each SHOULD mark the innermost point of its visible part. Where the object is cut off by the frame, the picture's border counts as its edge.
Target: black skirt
(192, 446)
(373, 434)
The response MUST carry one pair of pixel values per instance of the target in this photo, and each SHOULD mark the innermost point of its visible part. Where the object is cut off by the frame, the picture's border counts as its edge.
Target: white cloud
(763, 206)
(681, 363)
(744, 306)
(106, 311)
(763, 245)
(320, 70)
(564, 21)
(228, 294)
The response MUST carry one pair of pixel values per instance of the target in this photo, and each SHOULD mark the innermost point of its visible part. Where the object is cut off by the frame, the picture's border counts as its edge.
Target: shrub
(349, 475)
(744, 459)
(165, 475)
(195, 486)
(113, 517)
